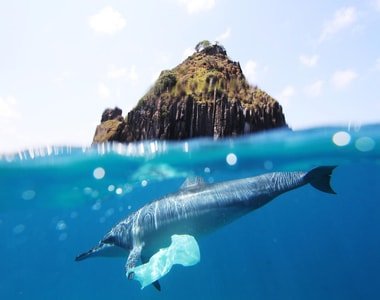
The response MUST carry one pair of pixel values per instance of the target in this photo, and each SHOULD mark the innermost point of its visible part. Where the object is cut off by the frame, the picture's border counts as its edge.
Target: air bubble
(231, 159)
(110, 212)
(99, 173)
(97, 205)
(94, 194)
(19, 229)
(28, 195)
(61, 225)
(341, 138)
(87, 190)
(365, 144)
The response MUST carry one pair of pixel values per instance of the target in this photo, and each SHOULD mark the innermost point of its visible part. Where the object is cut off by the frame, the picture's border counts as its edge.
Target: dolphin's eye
(108, 240)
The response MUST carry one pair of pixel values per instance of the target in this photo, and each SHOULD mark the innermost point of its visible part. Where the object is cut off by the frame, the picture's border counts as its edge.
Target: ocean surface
(56, 202)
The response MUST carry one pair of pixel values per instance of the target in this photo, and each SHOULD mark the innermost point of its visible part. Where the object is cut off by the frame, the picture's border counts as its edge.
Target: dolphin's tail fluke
(320, 178)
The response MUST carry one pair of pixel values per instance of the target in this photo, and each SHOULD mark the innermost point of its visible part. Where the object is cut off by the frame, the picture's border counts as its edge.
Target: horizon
(64, 65)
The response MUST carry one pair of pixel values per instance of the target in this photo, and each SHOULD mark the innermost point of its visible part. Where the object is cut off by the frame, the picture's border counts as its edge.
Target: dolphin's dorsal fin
(193, 183)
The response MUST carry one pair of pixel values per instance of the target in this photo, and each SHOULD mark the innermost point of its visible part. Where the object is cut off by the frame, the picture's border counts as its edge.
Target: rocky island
(206, 95)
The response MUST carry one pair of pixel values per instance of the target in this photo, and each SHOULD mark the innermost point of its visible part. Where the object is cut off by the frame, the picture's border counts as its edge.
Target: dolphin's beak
(93, 252)
(102, 249)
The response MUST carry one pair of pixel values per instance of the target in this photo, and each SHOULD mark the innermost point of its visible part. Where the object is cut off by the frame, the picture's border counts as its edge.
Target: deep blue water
(303, 245)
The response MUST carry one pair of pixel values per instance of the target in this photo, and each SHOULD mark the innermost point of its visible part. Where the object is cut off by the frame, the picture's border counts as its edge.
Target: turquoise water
(57, 202)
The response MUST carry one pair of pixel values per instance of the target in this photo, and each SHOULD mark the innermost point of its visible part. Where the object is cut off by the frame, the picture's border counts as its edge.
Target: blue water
(303, 245)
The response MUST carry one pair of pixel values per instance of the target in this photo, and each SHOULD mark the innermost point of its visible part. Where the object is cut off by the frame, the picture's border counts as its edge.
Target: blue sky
(62, 63)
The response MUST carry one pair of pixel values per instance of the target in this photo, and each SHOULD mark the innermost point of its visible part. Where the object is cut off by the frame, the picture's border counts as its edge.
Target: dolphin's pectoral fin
(132, 261)
(156, 283)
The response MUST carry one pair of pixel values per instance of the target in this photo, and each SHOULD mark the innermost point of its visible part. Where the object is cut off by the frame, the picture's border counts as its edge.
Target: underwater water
(56, 202)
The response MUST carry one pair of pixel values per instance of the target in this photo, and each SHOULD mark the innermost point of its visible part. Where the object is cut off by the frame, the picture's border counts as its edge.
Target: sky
(63, 62)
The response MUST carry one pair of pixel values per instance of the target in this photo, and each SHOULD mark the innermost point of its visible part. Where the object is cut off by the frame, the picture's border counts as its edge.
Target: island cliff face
(206, 95)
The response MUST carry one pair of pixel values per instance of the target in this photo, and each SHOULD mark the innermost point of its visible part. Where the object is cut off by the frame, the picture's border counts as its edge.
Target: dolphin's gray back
(199, 210)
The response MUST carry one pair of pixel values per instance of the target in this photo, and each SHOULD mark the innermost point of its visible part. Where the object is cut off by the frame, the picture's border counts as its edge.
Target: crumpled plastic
(183, 250)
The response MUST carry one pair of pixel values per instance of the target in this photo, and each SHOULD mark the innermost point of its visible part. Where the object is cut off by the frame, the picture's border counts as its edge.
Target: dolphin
(196, 209)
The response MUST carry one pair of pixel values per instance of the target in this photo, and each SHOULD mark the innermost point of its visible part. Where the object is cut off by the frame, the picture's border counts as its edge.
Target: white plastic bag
(183, 250)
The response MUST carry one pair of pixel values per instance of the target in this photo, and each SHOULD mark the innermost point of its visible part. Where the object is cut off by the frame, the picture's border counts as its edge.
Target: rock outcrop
(206, 95)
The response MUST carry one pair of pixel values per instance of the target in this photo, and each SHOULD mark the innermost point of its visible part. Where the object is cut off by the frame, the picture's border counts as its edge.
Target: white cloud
(196, 6)
(343, 18)
(224, 36)
(122, 73)
(309, 61)
(103, 91)
(107, 21)
(285, 95)
(314, 89)
(250, 70)
(343, 78)
(8, 108)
